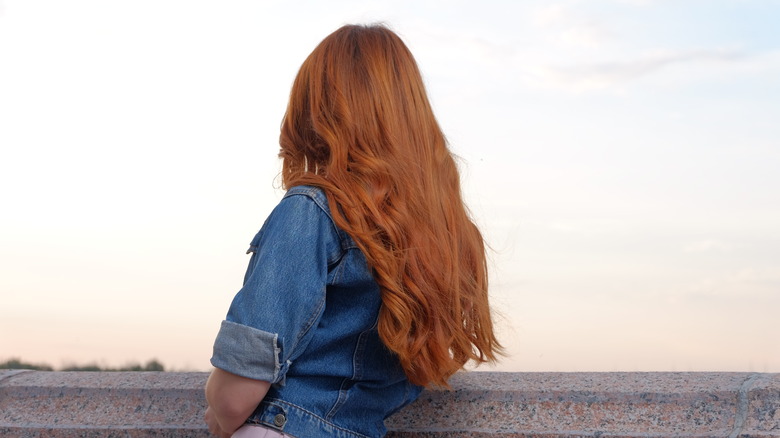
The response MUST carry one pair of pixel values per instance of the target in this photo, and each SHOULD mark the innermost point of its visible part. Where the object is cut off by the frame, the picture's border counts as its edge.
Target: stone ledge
(481, 404)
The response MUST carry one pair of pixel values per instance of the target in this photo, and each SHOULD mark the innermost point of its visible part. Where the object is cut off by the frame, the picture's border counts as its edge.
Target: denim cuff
(247, 352)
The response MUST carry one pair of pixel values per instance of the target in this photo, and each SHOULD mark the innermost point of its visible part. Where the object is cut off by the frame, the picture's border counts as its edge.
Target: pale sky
(621, 158)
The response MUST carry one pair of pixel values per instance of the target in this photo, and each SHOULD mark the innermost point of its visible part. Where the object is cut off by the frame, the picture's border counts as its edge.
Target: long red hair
(360, 126)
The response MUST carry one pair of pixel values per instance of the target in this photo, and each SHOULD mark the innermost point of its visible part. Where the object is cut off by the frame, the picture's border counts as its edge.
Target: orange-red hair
(359, 125)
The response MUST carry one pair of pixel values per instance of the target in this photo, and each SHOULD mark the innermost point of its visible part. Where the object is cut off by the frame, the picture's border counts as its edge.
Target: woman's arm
(231, 399)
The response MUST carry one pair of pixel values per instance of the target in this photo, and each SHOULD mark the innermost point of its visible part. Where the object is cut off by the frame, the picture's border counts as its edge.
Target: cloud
(743, 284)
(705, 246)
(586, 77)
(589, 227)
(635, 2)
(551, 15)
(584, 35)
(569, 28)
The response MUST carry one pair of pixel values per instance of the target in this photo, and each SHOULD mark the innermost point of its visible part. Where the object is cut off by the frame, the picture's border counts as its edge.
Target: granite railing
(480, 404)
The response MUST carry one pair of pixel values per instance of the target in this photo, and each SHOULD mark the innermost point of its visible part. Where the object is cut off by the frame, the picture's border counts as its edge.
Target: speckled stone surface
(102, 404)
(539, 405)
(594, 405)
(762, 418)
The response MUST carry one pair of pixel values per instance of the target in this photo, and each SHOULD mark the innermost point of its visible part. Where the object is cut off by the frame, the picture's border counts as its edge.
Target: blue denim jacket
(306, 321)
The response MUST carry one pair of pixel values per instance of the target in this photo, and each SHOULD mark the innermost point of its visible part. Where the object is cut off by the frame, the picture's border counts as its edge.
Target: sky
(620, 156)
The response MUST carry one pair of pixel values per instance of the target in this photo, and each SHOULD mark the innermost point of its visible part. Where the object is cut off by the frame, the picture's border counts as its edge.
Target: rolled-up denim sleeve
(246, 351)
(271, 319)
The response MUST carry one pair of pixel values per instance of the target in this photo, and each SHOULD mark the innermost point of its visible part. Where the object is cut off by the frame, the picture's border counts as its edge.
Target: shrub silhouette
(17, 364)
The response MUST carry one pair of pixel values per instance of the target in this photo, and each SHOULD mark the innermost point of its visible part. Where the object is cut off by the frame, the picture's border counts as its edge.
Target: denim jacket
(306, 321)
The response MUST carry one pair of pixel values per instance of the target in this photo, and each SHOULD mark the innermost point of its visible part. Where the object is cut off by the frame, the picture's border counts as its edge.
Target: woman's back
(369, 280)
(310, 284)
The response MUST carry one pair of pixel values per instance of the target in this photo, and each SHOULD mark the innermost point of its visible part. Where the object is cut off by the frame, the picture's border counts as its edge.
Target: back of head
(359, 125)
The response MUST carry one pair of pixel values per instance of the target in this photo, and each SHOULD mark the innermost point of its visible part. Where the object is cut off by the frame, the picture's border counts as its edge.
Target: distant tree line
(17, 364)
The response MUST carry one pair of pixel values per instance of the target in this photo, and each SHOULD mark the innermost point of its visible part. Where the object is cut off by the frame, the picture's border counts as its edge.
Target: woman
(368, 281)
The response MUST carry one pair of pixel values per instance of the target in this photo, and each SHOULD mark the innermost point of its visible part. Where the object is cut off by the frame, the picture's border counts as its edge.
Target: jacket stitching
(306, 411)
